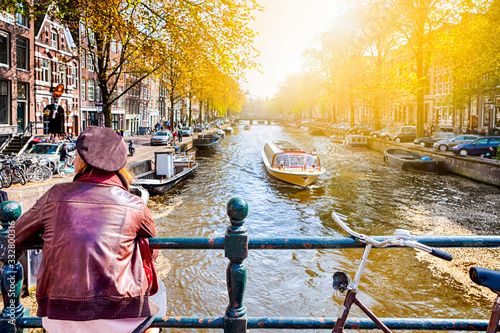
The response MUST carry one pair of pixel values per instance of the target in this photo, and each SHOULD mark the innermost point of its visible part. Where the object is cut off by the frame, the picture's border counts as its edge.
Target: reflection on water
(298, 283)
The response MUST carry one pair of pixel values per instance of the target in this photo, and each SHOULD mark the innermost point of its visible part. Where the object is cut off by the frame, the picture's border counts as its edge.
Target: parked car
(198, 128)
(187, 131)
(376, 134)
(50, 151)
(477, 147)
(161, 138)
(447, 144)
(366, 130)
(399, 134)
(428, 141)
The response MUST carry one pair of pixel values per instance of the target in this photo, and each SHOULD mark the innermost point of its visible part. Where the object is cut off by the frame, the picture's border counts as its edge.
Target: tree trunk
(189, 112)
(200, 113)
(352, 115)
(172, 110)
(420, 91)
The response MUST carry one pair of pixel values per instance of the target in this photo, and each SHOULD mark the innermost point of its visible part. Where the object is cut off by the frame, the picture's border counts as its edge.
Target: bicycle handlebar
(402, 238)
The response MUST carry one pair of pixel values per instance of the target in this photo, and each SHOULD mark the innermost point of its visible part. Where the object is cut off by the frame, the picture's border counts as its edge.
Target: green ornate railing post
(11, 273)
(236, 250)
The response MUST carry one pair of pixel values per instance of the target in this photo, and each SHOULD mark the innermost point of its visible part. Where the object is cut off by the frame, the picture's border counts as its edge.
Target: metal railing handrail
(28, 131)
(236, 245)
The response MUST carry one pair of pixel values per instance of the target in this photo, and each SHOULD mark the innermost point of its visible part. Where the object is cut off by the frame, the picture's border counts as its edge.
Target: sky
(286, 28)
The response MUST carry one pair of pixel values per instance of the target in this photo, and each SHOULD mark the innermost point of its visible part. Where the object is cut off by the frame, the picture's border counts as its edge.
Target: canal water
(377, 199)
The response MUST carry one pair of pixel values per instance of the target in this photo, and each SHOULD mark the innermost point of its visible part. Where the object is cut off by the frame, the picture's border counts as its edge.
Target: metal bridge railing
(235, 244)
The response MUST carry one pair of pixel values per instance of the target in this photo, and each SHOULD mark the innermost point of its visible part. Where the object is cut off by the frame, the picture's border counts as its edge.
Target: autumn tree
(418, 23)
(146, 31)
(470, 51)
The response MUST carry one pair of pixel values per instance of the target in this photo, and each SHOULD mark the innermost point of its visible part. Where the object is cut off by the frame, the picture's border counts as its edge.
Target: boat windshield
(296, 161)
(313, 162)
(282, 160)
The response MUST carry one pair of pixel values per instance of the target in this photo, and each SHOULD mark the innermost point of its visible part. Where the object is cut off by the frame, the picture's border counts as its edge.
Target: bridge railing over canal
(236, 244)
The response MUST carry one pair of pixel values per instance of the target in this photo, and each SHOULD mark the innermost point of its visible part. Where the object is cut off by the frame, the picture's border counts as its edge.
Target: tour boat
(290, 163)
(247, 127)
(170, 169)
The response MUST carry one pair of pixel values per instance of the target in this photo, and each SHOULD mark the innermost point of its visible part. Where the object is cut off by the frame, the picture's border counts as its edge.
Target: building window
(90, 61)
(4, 102)
(83, 89)
(22, 20)
(113, 46)
(97, 93)
(4, 48)
(90, 92)
(69, 76)
(61, 73)
(82, 61)
(55, 41)
(22, 53)
(91, 38)
(45, 70)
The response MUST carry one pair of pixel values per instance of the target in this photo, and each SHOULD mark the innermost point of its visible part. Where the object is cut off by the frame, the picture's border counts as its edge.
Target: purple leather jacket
(92, 268)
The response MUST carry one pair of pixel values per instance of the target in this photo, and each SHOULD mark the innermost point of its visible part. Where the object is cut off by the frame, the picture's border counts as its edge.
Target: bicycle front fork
(350, 299)
(495, 316)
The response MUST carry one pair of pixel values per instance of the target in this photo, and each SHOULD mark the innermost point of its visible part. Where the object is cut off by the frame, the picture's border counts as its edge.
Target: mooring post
(11, 273)
(236, 250)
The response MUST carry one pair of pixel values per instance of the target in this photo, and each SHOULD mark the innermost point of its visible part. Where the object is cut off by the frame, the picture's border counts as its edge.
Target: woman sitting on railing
(94, 276)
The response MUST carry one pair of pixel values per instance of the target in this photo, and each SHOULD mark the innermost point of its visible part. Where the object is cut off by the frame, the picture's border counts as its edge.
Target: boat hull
(299, 179)
(409, 161)
(207, 143)
(160, 186)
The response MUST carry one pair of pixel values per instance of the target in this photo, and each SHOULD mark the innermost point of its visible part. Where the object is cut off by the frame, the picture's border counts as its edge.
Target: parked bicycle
(67, 167)
(11, 171)
(38, 170)
(342, 281)
(489, 278)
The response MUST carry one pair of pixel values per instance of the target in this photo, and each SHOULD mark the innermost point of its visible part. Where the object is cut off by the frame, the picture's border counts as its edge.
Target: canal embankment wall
(472, 167)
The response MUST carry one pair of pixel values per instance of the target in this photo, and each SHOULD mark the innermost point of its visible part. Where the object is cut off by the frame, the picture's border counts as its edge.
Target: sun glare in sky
(286, 28)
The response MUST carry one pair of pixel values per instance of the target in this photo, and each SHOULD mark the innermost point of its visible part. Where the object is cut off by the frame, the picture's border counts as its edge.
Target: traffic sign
(58, 91)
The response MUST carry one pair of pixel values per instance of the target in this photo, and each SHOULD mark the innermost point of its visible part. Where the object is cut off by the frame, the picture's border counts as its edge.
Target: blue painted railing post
(236, 250)
(11, 273)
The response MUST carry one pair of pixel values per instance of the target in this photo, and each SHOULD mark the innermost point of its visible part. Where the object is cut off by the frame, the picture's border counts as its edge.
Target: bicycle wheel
(18, 175)
(34, 174)
(46, 174)
(60, 170)
(6, 177)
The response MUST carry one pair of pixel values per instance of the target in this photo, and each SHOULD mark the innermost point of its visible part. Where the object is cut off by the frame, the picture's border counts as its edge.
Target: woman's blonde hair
(85, 168)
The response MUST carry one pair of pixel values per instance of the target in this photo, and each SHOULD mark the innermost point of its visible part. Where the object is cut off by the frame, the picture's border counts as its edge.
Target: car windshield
(43, 149)
(186, 128)
(161, 134)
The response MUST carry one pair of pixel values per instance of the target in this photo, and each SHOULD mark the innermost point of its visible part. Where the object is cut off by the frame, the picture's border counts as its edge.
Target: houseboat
(290, 163)
(356, 141)
(169, 169)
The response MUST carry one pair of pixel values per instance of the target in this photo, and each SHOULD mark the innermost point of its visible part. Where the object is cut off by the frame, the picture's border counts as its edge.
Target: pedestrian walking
(94, 276)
